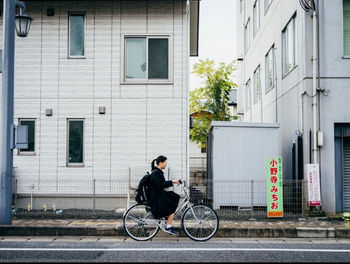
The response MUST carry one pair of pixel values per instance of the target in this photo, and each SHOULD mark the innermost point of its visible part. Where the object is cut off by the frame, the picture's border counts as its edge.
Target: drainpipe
(314, 84)
(275, 77)
(318, 81)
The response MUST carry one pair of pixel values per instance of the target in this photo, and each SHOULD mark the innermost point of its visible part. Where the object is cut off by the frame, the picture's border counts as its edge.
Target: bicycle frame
(183, 205)
(145, 226)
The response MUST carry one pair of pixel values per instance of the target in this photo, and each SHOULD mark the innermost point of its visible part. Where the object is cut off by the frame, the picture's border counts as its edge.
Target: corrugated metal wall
(346, 175)
(239, 155)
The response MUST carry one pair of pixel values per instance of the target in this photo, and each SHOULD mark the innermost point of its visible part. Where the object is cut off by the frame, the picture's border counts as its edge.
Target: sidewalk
(274, 228)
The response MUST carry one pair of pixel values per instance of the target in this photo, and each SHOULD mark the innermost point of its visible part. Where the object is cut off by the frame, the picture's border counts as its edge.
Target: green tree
(210, 102)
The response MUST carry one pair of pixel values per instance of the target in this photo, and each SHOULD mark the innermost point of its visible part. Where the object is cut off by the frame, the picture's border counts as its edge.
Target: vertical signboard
(313, 184)
(274, 187)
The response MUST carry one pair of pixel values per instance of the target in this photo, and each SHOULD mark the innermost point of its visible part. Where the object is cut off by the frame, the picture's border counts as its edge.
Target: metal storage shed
(236, 162)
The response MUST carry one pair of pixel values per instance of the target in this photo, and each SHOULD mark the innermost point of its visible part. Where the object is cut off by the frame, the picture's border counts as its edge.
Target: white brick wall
(141, 121)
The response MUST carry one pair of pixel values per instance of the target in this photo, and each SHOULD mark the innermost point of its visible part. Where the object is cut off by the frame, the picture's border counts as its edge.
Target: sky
(217, 34)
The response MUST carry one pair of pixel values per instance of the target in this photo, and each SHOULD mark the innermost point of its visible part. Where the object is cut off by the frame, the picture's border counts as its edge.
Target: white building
(275, 43)
(103, 86)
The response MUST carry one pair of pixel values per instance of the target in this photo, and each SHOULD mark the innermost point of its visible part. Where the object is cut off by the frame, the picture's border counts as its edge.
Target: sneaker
(170, 230)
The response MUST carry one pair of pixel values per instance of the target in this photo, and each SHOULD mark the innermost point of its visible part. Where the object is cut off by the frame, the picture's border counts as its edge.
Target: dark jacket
(163, 203)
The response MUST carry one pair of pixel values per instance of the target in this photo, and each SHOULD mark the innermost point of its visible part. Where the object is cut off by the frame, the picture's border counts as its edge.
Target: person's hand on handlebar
(177, 181)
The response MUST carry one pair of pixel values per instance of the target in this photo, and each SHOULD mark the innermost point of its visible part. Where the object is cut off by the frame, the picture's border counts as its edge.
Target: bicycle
(199, 222)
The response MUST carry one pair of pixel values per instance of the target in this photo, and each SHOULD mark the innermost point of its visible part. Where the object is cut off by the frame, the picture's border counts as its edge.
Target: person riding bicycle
(163, 203)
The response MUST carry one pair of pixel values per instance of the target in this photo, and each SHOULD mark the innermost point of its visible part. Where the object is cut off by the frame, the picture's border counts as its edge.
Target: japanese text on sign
(313, 184)
(274, 187)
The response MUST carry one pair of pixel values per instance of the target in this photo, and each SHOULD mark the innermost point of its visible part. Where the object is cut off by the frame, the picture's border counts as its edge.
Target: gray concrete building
(275, 41)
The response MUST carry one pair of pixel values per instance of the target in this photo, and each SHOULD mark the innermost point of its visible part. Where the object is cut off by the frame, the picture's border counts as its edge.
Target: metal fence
(247, 199)
(198, 164)
(231, 199)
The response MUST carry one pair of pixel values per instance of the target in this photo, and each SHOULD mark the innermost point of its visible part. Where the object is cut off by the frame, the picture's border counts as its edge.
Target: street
(171, 249)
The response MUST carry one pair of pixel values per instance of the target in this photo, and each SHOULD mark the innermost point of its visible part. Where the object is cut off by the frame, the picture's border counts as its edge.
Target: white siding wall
(141, 121)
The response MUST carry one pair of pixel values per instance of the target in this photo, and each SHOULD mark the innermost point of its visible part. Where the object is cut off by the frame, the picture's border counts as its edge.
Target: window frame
(345, 56)
(69, 164)
(256, 7)
(266, 8)
(240, 6)
(146, 81)
(267, 83)
(257, 71)
(247, 35)
(248, 103)
(284, 71)
(68, 45)
(28, 153)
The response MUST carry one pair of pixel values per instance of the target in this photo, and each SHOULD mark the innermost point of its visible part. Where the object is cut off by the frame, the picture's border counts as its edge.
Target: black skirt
(165, 204)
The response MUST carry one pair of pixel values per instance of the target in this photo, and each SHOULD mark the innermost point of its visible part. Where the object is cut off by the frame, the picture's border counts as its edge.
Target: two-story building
(103, 88)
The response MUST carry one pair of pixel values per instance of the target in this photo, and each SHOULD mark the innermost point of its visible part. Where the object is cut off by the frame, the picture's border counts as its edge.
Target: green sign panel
(274, 187)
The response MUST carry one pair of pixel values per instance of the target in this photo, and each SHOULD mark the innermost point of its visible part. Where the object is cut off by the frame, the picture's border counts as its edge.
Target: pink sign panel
(313, 184)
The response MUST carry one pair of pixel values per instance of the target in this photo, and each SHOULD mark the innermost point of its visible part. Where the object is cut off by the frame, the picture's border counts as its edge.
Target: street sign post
(313, 184)
(274, 187)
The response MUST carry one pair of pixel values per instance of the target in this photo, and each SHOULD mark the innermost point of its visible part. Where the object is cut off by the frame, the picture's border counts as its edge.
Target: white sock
(168, 226)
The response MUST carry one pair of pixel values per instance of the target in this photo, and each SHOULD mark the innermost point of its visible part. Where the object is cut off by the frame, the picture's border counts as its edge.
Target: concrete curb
(299, 232)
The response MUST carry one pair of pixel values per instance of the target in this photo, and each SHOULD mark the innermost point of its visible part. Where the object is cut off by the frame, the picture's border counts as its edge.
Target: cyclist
(163, 203)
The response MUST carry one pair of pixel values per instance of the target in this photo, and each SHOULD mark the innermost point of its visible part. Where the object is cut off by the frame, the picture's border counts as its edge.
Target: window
(256, 16)
(247, 36)
(267, 5)
(270, 73)
(147, 59)
(76, 35)
(247, 95)
(31, 136)
(288, 47)
(346, 26)
(75, 142)
(257, 85)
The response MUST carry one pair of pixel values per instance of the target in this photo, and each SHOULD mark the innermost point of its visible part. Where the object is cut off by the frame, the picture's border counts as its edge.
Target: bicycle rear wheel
(200, 222)
(139, 223)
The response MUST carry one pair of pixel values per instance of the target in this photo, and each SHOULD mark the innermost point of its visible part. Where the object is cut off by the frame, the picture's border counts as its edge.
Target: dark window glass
(76, 130)
(31, 135)
(76, 36)
(158, 58)
(346, 26)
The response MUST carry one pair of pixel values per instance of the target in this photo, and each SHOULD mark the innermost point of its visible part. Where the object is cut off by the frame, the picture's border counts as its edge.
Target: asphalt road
(171, 249)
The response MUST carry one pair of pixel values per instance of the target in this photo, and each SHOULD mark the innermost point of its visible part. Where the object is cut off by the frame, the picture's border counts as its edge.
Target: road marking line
(180, 249)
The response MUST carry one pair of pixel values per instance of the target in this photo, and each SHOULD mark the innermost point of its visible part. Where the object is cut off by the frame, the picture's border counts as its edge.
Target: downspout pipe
(314, 86)
(307, 6)
(318, 80)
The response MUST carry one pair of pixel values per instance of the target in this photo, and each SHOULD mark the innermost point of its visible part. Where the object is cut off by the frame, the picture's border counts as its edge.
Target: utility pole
(7, 135)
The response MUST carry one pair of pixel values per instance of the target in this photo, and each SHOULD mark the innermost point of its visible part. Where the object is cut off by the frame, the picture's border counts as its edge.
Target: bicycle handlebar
(183, 182)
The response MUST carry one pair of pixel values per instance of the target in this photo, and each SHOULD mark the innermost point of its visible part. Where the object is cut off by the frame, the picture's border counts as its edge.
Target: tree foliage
(210, 102)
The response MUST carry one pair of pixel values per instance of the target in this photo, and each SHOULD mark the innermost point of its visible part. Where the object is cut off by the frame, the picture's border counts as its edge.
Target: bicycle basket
(196, 195)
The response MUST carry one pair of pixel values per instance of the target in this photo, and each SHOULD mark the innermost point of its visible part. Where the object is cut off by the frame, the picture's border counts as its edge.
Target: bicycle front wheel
(139, 223)
(200, 222)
